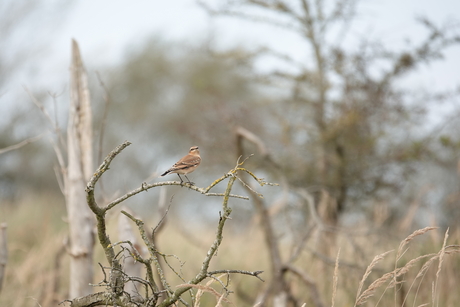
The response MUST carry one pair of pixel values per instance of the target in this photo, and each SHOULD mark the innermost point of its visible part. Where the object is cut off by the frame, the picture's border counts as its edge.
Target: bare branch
(250, 17)
(117, 278)
(212, 250)
(42, 109)
(101, 299)
(101, 170)
(160, 223)
(116, 283)
(203, 288)
(21, 144)
(131, 264)
(152, 251)
(255, 273)
(240, 131)
(104, 117)
(309, 281)
(146, 187)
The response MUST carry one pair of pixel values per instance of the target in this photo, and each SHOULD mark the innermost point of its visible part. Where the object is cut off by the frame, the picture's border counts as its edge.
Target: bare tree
(23, 42)
(278, 291)
(344, 122)
(150, 295)
(73, 172)
(336, 119)
(79, 169)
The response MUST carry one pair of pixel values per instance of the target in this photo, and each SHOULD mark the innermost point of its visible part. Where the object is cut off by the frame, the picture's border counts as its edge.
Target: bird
(186, 164)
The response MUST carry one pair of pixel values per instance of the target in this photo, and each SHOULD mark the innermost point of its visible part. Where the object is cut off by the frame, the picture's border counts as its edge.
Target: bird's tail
(165, 173)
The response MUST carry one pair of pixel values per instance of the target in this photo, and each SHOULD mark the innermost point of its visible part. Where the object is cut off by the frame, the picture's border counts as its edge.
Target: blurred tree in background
(169, 92)
(29, 169)
(341, 122)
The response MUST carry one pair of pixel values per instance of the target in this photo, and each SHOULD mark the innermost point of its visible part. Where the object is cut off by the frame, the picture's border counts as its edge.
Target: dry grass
(420, 272)
(335, 279)
(220, 297)
(362, 297)
(391, 279)
(35, 236)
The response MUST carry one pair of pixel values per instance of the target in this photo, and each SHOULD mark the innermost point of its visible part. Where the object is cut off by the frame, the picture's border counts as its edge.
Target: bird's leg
(181, 181)
(191, 183)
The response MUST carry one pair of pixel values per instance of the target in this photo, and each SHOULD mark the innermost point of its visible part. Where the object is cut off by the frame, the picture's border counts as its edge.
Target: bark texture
(80, 165)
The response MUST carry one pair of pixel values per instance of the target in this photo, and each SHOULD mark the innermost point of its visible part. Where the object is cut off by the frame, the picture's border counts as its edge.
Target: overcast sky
(107, 30)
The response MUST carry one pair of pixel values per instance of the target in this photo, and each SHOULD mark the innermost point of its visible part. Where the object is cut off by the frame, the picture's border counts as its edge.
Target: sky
(108, 30)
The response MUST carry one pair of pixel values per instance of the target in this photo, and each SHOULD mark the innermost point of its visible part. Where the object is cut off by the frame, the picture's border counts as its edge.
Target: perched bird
(186, 165)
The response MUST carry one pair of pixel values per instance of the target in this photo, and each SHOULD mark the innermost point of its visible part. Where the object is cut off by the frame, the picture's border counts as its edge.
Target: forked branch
(116, 294)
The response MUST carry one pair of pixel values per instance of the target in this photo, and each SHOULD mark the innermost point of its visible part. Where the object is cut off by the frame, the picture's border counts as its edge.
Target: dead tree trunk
(79, 170)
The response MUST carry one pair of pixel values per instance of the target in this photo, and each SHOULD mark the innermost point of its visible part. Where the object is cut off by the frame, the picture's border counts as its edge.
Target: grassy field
(426, 263)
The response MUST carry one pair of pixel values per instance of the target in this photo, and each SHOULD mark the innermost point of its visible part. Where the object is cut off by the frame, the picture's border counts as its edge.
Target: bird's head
(194, 151)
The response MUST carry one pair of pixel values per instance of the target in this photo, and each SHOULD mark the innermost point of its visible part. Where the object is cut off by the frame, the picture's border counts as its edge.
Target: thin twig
(146, 187)
(104, 116)
(160, 223)
(255, 273)
(152, 251)
(309, 281)
(21, 144)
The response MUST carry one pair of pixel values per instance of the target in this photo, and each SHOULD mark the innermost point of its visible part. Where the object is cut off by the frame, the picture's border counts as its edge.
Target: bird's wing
(186, 162)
